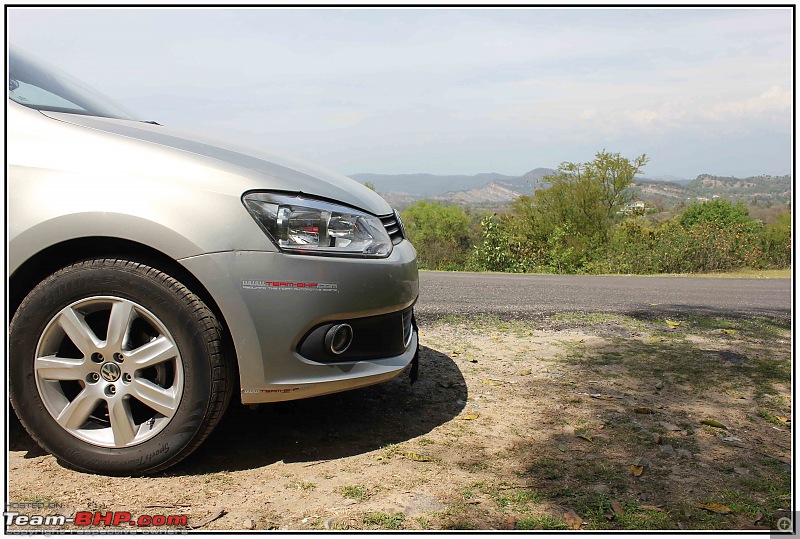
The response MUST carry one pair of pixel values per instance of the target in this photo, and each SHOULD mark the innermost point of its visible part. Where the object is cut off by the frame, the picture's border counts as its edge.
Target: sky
(447, 91)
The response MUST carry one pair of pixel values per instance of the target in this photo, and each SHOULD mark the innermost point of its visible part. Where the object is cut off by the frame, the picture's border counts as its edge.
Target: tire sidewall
(157, 293)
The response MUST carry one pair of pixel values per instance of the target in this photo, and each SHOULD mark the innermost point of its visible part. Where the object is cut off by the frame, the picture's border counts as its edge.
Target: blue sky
(447, 91)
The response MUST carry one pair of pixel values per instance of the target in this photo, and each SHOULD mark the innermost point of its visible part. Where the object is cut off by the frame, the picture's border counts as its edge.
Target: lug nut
(93, 377)
(118, 357)
(126, 378)
(111, 390)
(97, 357)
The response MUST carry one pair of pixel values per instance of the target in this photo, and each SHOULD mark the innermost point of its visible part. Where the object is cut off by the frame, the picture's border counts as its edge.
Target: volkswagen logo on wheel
(110, 372)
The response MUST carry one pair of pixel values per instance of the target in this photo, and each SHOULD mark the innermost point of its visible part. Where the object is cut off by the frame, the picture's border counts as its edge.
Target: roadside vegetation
(585, 222)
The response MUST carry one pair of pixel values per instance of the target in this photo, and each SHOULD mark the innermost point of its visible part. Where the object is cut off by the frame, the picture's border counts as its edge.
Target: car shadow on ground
(333, 426)
(18, 438)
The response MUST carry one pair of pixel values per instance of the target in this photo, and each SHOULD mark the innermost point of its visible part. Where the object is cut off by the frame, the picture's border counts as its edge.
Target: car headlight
(314, 227)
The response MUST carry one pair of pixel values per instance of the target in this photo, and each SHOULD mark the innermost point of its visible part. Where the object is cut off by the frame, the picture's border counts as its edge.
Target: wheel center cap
(110, 372)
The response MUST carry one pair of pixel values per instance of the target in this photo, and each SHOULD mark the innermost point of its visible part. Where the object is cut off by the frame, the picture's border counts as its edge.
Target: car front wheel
(117, 368)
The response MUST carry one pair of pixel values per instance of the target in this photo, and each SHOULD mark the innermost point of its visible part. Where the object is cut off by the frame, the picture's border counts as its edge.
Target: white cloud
(773, 100)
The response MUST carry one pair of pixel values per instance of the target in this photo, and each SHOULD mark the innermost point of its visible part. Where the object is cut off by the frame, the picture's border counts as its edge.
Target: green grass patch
(360, 493)
(300, 485)
(385, 521)
(544, 522)
(519, 499)
(635, 519)
(547, 469)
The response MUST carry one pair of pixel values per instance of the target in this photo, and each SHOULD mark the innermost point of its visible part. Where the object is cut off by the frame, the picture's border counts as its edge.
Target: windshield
(42, 87)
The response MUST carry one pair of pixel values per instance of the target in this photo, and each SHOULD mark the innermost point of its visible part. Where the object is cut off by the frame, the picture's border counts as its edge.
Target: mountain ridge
(491, 188)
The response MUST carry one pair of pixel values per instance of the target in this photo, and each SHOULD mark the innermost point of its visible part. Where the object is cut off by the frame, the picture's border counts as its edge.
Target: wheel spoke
(159, 399)
(59, 368)
(78, 331)
(119, 413)
(156, 351)
(77, 412)
(118, 323)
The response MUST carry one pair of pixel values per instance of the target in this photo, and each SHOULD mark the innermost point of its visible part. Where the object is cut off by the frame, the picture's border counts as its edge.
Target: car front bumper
(271, 301)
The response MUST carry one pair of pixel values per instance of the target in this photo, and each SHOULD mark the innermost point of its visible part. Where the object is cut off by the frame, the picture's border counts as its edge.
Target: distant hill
(769, 189)
(493, 189)
(485, 188)
(667, 178)
(647, 190)
(493, 193)
(774, 188)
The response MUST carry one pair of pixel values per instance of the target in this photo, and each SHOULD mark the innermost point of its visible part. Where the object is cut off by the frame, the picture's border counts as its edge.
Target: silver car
(153, 274)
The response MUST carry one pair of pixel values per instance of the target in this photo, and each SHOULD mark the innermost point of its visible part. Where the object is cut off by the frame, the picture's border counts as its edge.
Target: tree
(577, 212)
(441, 234)
(370, 185)
(719, 211)
(588, 195)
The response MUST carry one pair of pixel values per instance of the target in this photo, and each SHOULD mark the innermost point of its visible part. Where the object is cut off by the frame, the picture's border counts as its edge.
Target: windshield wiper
(150, 122)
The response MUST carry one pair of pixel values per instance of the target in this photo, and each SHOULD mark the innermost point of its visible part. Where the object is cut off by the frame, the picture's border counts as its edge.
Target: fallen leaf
(609, 516)
(525, 373)
(655, 339)
(469, 417)
(495, 337)
(617, 507)
(643, 410)
(782, 419)
(472, 360)
(759, 517)
(672, 323)
(417, 457)
(455, 354)
(714, 508)
(654, 304)
(651, 508)
(491, 383)
(596, 396)
(715, 424)
(583, 432)
(729, 331)
(562, 447)
(573, 520)
(637, 470)
(576, 340)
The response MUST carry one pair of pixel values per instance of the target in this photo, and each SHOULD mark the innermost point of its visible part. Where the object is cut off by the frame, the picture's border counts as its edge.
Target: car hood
(274, 172)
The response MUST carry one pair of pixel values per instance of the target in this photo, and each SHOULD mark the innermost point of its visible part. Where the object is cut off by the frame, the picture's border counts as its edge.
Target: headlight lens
(307, 226)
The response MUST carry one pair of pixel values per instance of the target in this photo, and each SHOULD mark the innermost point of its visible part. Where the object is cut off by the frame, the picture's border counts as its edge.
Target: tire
(116, 368)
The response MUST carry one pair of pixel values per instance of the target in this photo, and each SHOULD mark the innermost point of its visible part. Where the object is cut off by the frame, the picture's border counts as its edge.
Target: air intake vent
(394, 227)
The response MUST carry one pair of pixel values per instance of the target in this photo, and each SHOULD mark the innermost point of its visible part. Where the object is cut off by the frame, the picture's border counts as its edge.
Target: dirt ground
(573, 421)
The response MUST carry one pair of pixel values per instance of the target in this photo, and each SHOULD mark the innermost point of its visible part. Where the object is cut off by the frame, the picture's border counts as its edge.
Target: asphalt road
(529, 295)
